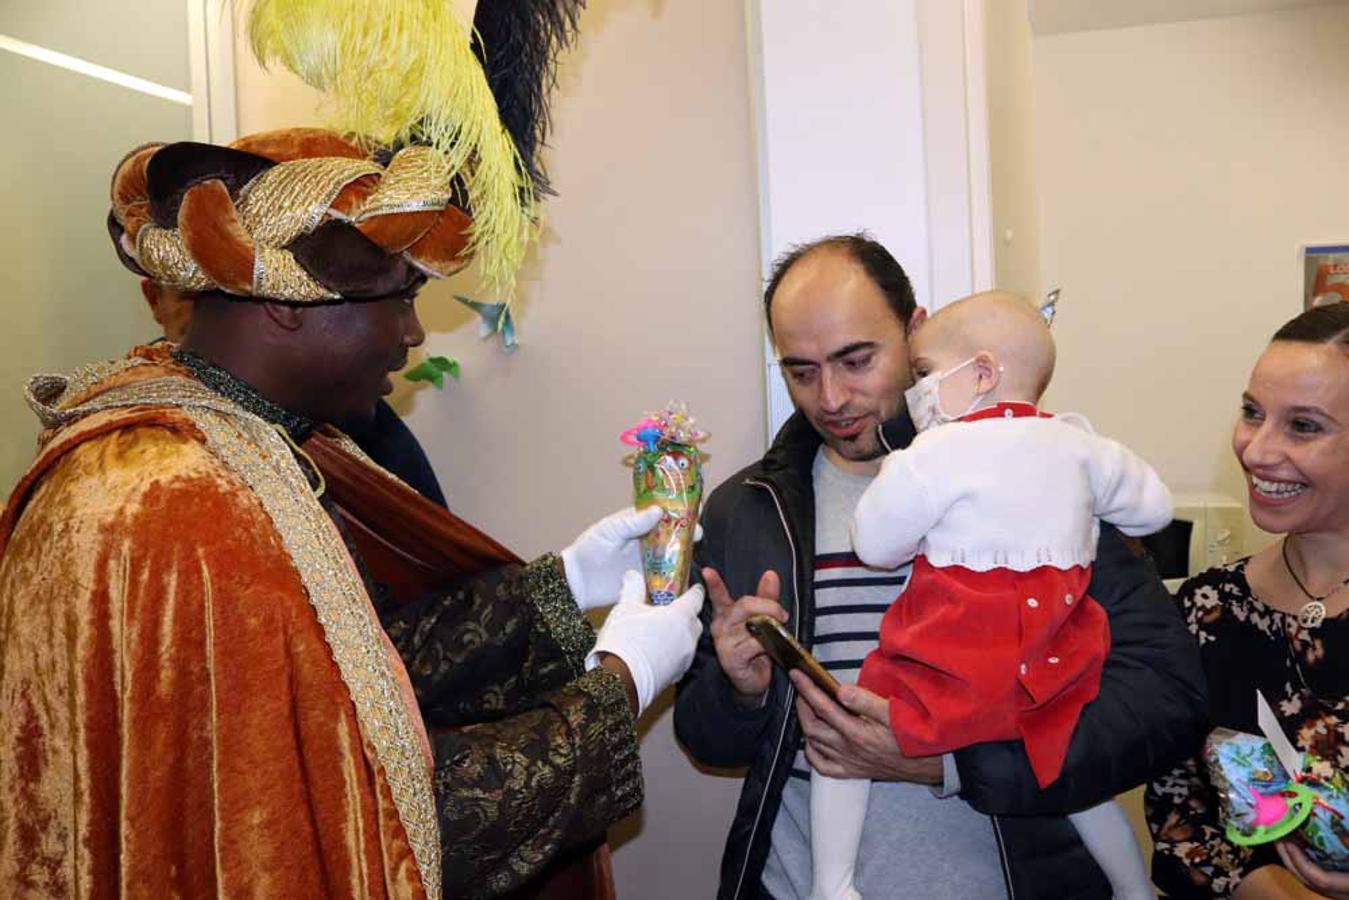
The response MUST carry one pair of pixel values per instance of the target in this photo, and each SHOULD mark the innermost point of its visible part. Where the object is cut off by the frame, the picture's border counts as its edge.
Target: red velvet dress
(968, 656)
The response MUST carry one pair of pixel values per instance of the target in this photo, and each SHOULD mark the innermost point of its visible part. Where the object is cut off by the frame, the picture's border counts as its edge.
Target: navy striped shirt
(914, 844)
(850, 600)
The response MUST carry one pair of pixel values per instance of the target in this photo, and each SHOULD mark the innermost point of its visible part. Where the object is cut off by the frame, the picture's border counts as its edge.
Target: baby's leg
(1110, 840)
(838, 807)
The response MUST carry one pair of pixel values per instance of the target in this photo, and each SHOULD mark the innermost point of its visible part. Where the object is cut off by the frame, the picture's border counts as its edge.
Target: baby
(995, 637)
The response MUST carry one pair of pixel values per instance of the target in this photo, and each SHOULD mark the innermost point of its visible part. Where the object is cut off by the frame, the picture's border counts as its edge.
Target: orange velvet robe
(196, 696)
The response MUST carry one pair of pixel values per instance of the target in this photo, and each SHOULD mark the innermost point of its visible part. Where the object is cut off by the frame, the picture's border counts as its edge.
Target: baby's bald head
(1000, 323)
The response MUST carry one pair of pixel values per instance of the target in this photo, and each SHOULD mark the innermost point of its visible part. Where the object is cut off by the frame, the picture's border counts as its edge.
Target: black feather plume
(517, 42)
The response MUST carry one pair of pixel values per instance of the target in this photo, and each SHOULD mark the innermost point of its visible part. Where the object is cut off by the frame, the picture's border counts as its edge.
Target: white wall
(1011, 133)
(1179, 167)
(1056, 16)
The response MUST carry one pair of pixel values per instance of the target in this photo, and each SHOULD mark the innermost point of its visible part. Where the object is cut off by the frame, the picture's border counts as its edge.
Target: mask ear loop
(880, 434)
(975, 403)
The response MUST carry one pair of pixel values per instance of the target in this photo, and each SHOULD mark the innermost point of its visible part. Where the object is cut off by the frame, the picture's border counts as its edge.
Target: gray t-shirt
(915, 843)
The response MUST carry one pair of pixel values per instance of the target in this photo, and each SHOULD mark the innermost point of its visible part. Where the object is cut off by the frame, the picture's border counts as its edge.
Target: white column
(863, 121)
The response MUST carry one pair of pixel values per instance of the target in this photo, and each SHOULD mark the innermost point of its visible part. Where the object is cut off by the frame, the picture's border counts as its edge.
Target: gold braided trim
(417, 179)
(351, 448)
(253, 450)
(46, 394)
(277, 275)
(291, 198)
(160, 252)
(343, 440)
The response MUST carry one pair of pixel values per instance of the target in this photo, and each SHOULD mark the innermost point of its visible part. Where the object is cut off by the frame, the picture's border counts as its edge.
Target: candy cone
(669, 477)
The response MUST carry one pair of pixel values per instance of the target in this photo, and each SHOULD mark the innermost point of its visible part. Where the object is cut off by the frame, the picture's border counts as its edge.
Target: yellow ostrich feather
(404, 70)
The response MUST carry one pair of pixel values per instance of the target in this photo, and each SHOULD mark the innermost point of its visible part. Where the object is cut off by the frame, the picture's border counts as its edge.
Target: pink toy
(1269, 808)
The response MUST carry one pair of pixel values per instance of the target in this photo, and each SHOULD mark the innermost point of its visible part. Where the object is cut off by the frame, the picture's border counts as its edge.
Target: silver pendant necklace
(1313, 612)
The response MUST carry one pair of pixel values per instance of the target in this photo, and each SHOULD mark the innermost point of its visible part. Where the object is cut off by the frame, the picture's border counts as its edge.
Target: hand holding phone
(740, 656)
(788, 653)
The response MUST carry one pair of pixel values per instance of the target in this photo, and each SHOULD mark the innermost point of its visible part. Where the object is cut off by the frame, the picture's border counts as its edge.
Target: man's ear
(918, 318)
(987, 371)
(286, 316)
(150, 291)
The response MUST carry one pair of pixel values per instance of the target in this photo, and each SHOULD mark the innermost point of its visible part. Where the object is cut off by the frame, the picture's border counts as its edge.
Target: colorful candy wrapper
(1261, 803)
(667, 472)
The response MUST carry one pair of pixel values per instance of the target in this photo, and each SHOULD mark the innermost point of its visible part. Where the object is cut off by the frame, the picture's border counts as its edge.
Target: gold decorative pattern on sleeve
(626, 791)
(514, 791)
(558, 612)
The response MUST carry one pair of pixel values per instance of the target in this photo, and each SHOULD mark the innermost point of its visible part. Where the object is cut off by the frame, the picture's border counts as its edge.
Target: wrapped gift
(667, 472)
(1261, 802)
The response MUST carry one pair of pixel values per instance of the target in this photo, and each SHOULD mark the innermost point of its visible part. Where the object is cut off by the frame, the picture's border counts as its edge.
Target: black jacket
(1150, 711)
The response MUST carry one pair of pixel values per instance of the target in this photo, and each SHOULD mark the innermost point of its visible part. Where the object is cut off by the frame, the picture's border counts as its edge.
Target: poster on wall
(1325, 274)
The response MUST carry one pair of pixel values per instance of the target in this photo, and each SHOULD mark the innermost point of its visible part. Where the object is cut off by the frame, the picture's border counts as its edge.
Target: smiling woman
(1293, 435)
(1277, 621)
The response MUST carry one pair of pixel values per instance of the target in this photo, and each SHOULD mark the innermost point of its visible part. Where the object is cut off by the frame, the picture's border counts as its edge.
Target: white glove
(656, 642)
(595, 561)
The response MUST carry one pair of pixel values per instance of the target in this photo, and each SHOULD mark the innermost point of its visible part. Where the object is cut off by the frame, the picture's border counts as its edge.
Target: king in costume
(237, 658)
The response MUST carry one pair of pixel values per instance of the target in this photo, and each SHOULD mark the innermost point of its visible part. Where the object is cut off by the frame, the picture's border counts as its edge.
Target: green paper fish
(434, 369)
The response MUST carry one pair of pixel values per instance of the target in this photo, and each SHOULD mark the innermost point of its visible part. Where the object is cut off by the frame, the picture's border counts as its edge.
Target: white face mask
(924, 399)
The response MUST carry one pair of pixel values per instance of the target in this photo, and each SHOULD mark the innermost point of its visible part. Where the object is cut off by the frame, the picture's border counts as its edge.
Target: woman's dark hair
(1327, 324)
(882, 268)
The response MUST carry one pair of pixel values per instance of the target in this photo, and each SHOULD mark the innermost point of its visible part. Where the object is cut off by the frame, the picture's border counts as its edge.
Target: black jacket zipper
(791, 691)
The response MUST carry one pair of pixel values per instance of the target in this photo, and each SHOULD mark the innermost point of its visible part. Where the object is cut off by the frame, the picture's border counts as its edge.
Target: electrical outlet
(1219, 535)
(1226, 531)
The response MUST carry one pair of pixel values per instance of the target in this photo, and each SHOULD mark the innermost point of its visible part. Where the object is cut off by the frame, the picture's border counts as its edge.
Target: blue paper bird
(496, 319)
(1050, 306)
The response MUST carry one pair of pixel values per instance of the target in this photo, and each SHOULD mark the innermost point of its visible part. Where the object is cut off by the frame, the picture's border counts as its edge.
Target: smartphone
(784, 650)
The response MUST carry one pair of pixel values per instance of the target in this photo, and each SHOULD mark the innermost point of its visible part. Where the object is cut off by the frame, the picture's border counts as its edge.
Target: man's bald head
(1001, 323)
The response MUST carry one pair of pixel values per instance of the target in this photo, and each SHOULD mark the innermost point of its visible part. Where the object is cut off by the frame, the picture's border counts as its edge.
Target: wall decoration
(1325, 274)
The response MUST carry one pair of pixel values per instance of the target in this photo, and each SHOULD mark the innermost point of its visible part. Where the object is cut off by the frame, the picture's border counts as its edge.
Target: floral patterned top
(1245, 645)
